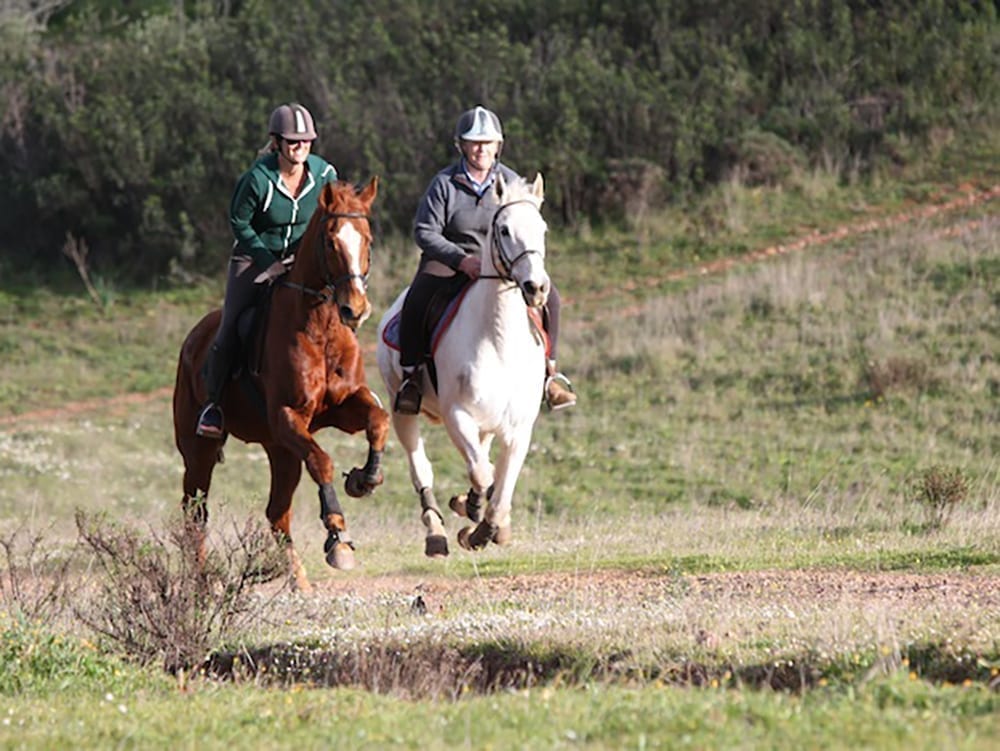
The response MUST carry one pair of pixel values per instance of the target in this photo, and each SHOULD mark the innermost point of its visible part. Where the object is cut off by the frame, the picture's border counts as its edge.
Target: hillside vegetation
(124, 125)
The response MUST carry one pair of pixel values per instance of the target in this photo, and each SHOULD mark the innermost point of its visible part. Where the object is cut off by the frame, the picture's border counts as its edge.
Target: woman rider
(269, 213)
(451, 229)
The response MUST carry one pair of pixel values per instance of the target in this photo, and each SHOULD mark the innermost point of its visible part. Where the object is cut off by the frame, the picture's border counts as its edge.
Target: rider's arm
(430, 221)
(247, 200)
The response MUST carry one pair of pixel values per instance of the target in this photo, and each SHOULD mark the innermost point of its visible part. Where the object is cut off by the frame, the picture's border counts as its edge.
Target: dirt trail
(959, 198)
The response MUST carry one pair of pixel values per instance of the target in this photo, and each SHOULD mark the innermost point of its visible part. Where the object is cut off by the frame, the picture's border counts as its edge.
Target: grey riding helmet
(478, 124)
(292, 122)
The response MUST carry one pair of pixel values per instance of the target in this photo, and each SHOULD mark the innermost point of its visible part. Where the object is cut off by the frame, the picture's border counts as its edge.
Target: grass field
(773, 521)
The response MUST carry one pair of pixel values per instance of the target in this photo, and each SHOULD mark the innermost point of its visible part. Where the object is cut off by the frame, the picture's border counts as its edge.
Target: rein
(329, 291)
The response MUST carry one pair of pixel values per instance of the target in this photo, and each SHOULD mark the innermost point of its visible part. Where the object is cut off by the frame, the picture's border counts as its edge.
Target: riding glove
(274, 271)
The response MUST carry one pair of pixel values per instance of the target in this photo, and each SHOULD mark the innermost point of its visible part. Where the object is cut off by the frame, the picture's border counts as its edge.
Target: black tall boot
(410, 393)
(211, 423)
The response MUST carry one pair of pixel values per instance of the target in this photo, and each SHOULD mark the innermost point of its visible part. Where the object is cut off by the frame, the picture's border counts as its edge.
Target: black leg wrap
(474, 506)
(373, 468)
(482, 535)
(328, 502)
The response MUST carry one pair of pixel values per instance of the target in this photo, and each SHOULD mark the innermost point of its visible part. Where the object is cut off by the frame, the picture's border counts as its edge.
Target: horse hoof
(457, 505)
(357, 484)
(476, 538)
(503, 535)
(436, 546)
(339, 554)
(463, 538)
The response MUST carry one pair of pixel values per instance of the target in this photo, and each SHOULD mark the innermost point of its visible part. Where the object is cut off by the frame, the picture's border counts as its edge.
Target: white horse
(490, 366)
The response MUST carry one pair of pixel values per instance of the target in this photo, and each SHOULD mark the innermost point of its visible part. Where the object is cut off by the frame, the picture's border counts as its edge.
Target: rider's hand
(273, 271)
(470, 266)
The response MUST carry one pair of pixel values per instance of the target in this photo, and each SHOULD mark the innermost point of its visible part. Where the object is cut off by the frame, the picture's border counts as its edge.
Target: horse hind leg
(200, 458)
(286, 471)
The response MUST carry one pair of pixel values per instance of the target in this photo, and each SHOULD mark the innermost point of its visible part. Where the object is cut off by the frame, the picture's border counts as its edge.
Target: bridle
(505, 266)
(329, 291)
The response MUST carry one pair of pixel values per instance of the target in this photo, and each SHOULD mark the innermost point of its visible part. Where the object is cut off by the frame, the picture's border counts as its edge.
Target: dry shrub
(896, 374)
(158, 602)
(34, 580)
(939, 489)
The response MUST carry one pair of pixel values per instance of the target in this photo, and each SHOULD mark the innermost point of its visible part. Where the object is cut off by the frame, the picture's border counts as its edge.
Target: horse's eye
(505, 231)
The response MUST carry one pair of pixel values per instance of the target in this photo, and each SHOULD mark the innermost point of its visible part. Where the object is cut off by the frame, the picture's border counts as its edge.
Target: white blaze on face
(352, 241)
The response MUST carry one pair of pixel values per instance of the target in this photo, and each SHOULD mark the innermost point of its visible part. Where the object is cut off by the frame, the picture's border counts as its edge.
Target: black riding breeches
(413, 344)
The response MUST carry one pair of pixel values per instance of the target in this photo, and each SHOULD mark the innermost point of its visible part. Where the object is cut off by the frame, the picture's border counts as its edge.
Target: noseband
(503, 265)
(329, 291)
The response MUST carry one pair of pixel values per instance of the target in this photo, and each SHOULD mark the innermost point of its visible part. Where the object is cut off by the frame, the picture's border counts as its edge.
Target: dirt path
(946, 592)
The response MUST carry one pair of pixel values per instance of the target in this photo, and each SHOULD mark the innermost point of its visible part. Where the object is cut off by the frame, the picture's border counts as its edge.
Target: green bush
(126, 124)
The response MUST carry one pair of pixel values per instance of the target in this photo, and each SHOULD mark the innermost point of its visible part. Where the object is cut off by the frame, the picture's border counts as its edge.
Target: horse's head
(518, 245)
(342, 240)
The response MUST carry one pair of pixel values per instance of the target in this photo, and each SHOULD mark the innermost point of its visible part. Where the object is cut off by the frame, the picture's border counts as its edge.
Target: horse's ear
(326, 195)
(369, 192)
(538, 187)
(501, 187)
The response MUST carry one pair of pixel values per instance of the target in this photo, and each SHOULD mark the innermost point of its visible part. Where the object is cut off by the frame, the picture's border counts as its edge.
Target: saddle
(250, 329)
(441, 311)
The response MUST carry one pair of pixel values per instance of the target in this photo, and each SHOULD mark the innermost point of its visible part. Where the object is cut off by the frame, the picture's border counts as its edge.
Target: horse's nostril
(531, 288)
(347, 313)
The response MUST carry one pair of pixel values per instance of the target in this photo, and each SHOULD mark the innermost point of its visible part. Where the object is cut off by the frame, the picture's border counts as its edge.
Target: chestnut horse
(310, 376)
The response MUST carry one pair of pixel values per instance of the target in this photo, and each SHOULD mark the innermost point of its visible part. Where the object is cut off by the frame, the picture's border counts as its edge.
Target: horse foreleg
(510, 461)
(407, 429)
(200, 457)
(495, 525)
(362, 411)
(286, 471)
(338, 547)
(474, 446)
(291, 431)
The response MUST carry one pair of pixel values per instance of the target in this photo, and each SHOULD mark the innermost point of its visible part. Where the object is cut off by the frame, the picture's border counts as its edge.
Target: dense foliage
(123, 125)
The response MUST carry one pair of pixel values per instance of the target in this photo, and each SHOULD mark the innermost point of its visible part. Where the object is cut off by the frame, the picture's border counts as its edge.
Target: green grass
(889, 712)
(741, 436)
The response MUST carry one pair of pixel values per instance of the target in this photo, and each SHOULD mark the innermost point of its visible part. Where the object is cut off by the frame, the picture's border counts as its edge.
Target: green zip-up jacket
(267, 220)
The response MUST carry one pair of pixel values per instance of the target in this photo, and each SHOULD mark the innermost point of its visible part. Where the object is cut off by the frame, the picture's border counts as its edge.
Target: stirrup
(210, 422)
(408, 397)
(564, 388)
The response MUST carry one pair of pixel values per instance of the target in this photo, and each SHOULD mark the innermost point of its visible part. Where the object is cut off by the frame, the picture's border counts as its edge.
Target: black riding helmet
(292, 122)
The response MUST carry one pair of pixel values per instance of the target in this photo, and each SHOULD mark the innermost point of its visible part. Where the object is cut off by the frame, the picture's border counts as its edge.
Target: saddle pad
(390, 334)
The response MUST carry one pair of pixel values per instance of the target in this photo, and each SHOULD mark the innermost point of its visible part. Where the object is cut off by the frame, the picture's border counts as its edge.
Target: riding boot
(558, 390)
(409, 395)
(211, 423)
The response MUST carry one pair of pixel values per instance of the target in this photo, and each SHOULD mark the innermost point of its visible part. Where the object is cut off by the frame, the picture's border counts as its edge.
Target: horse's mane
(345, 196)
(520, 189)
